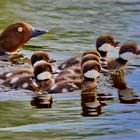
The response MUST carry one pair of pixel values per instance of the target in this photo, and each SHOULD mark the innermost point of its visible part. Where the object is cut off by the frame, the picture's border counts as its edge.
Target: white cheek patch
(128, 56)
(92, 74)
(9, 74)
(14, 80)
(106, 47)
(38, 62)
(44, 75)
(25, 85)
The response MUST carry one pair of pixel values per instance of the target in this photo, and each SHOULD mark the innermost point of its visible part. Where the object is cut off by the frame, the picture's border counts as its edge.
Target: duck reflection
(128, 96)
(91, 106)
(42, 101)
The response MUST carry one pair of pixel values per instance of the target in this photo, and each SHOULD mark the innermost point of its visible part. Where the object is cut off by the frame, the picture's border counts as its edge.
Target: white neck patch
(92, 74)
(128, 56)
(106, 47)
(44, 75)
(38, 62)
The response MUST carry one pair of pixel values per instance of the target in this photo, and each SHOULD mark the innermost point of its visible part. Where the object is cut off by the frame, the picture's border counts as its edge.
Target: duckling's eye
(20, 29)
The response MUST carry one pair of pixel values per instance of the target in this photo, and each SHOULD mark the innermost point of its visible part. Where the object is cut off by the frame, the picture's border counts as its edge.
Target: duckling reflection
(90, 104)
(128, 96)
(44, 100)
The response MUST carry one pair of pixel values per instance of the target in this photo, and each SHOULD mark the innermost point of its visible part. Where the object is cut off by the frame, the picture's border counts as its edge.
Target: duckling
(106, 43)
(65, 86)
(40, 56)
(68, 80)
(90, 71)
(127, 52)
(43, 75)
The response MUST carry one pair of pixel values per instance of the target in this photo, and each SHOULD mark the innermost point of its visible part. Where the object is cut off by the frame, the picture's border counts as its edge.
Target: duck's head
(38, 56)
(90, 72)
(106, 43)
(89, 57)
(15, 35)
(128, 51)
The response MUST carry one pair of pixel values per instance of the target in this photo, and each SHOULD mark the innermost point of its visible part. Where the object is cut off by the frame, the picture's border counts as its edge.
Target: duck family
(77, 73)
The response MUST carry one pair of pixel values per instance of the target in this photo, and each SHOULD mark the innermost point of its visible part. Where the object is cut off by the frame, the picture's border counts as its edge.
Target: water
(73, 27)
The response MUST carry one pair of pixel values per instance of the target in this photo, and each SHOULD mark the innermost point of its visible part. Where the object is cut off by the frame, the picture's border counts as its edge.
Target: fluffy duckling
(90, 71)
(106, 43)
(127, 52)
(17, 34)
(68, 80)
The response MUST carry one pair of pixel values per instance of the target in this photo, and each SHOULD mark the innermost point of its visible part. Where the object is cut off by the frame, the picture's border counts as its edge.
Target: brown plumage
(15, 35)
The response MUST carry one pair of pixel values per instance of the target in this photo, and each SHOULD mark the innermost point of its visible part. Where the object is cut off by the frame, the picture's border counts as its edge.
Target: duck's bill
(38, 32)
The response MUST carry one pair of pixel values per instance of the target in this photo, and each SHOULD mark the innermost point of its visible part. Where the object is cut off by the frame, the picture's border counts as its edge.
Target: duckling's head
(39, 56)
(105, 43)
(128, 51)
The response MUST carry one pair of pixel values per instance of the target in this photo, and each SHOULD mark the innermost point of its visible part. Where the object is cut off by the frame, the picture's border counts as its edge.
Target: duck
(16, 35)
(104, 44)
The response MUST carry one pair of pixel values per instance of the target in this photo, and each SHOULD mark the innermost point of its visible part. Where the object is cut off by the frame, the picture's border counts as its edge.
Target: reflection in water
(90, 104)
(42, 101)
(104, 97)
(128, 96)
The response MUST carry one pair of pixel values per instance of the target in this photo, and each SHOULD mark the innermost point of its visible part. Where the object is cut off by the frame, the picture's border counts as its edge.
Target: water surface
(73, 27)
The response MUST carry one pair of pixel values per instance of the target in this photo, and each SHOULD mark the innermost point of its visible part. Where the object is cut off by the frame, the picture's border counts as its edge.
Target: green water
(73, 27)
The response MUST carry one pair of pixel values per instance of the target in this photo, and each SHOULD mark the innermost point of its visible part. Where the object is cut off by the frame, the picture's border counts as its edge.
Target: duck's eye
(20, 29)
